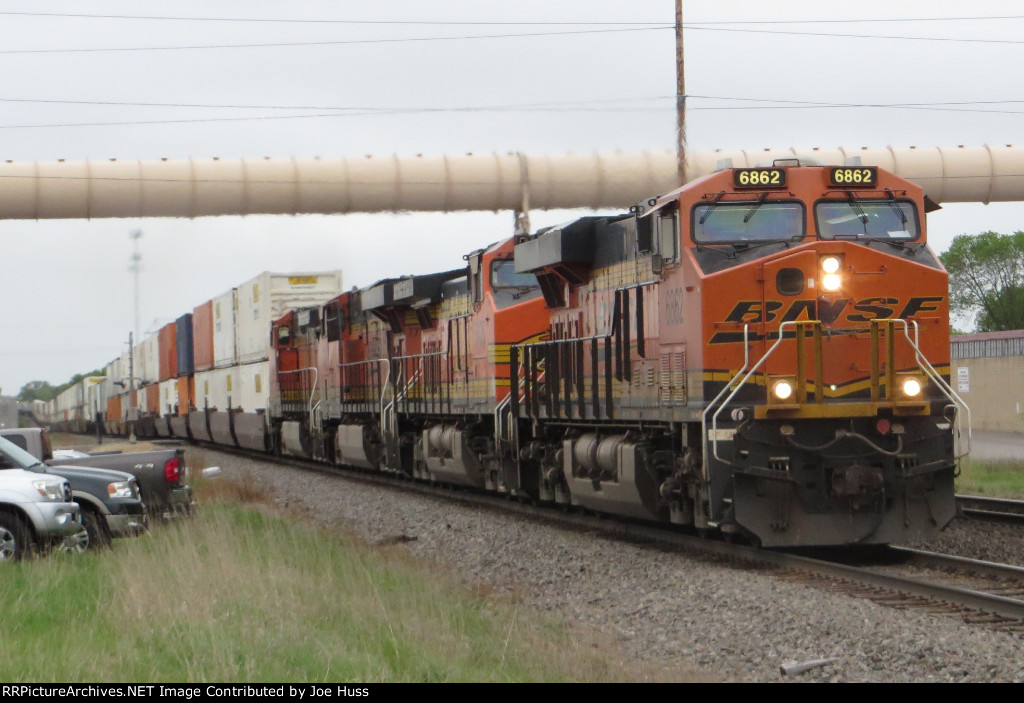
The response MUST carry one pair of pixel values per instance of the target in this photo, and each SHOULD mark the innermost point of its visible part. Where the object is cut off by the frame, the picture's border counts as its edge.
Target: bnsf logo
(828, 311)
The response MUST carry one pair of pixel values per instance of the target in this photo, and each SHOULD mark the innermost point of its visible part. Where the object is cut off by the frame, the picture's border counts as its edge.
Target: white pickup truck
(36, 512)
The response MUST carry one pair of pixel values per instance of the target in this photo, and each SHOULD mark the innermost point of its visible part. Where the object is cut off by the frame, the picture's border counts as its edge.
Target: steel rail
(992, 509)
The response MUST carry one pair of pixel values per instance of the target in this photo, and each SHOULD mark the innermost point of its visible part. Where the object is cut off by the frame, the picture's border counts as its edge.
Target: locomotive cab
(829, 417)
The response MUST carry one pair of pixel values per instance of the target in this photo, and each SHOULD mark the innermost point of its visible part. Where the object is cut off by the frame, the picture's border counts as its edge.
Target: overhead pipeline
(513, 181)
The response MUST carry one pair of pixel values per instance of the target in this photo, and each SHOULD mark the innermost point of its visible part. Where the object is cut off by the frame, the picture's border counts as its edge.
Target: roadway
(997, 446)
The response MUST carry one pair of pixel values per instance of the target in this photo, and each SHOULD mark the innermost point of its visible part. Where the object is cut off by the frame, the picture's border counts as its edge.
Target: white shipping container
(266, 297)
(113, 370)
(135, 365)
(66, 402)
(120, 365)
(96, 397)
(214, 387)
(224, 345)
(253, 387)
(41, 409)
(92, 397)
(168, 396)
(151, 359)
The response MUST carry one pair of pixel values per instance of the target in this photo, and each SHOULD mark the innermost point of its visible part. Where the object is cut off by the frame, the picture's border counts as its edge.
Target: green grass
(997, 479)
(242, 593)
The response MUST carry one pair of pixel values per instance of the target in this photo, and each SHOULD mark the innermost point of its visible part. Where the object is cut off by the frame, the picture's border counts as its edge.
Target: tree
(37, 390)
(42, 390)
(986, 279)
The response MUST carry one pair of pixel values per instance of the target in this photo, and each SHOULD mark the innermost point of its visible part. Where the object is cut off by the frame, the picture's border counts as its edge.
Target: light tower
(135, 267)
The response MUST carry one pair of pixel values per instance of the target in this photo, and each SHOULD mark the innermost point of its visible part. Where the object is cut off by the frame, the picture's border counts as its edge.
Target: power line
(949, 106)
(858, 36)
(340, 42)
(352, 42)
(589, 106)
(219, 106)
(851, 20)
(505, 23)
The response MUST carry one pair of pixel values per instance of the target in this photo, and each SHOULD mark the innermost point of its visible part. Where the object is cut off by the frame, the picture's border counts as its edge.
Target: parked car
(111, 505)
(161, 473)
(36, 510)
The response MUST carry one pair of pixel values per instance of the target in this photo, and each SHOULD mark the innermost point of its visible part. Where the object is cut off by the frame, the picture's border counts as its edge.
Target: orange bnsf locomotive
(764, 352)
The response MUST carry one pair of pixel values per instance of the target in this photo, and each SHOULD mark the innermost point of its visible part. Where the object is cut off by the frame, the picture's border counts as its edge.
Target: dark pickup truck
(161, 473)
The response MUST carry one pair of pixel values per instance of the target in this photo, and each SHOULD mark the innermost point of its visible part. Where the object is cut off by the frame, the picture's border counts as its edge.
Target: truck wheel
(96, 528)
(15, 538)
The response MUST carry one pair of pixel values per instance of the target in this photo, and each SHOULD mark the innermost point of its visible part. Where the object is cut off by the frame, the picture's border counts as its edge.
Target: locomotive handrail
(946, 388)
(367, 363)
(581, 395)
(312, 390)
(499, 412)
(391, 424)
(922, 363)
(419, 374)
(714, 419)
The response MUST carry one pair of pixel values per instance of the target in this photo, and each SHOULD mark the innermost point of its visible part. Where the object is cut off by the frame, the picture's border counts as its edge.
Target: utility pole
(680, 97)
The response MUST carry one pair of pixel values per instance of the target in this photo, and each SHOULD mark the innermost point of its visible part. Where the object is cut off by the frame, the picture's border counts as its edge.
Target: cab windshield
(747, 221)
(867, 219)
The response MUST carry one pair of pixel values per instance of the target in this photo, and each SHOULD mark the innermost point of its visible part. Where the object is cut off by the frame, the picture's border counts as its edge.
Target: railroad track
(993, 509)
(979, 593)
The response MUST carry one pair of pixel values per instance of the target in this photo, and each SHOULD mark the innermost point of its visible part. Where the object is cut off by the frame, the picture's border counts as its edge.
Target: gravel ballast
(667, 612)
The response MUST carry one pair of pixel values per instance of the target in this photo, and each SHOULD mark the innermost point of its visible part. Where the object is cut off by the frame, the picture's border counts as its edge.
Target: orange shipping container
(153, 399)
(202, 336)
(168, 351)
(186, 393)
(114, 408)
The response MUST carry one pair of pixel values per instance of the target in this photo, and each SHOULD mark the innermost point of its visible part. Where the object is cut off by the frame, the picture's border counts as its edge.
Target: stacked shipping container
(216, 357)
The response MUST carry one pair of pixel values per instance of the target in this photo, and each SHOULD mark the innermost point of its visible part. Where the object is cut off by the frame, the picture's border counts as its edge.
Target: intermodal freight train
(764, 353)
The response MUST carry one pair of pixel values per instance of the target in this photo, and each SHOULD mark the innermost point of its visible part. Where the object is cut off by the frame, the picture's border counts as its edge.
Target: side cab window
(282, 337)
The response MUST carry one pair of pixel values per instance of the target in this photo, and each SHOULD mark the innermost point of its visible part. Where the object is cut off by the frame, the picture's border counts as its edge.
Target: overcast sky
(574, 84)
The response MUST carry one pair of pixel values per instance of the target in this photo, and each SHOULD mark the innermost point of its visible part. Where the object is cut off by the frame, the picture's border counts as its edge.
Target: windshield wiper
(759, 203)
(746, 246)
(714, 204)
(855, 206)
(891, 202)
(910, 248)
(736, 247)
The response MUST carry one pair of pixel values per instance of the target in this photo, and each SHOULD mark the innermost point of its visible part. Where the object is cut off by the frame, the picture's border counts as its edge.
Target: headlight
(911, 387)
(783, 390)
(50, 489)
(831, 279)
(120, 489)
